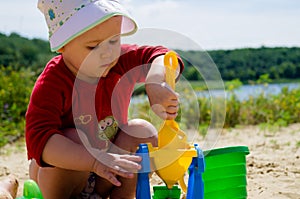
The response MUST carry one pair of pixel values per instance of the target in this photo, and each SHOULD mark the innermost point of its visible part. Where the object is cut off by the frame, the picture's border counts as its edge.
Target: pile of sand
(273, 162)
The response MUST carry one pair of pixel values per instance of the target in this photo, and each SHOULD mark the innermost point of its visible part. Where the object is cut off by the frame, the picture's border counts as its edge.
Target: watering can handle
(171, 64)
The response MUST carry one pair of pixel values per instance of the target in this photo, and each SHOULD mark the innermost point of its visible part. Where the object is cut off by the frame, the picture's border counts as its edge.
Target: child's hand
(163, 100)
(108, 165)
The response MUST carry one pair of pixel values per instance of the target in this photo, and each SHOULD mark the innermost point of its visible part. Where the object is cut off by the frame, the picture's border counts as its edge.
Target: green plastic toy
(225, 173)
(31, 190)
(162, 192)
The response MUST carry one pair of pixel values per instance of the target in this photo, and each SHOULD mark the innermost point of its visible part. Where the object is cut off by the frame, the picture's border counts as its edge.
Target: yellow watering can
(173, 155)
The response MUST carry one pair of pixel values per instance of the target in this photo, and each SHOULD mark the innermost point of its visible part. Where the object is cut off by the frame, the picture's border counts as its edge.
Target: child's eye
(113, 41)
(91, 47)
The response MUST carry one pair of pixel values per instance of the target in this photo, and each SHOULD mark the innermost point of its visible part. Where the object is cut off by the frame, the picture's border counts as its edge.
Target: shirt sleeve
(43, 116)
(134, 56)
(133, 67)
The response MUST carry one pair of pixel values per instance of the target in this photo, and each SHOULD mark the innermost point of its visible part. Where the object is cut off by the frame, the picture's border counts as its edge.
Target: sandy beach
(273, 169)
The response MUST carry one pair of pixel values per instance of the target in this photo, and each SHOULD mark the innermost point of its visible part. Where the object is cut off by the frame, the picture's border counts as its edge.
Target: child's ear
(61, 50)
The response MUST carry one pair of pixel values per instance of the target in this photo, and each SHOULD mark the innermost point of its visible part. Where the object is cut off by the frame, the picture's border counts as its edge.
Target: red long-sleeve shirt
(59, 100)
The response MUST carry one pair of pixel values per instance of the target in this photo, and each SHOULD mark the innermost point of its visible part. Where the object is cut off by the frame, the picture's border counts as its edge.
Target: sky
(207, 24)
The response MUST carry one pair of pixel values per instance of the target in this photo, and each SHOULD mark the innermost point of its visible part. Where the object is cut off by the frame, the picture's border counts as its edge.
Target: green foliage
(264, 79)
(281, 109)
(245, 64)
(233, 84)
(275, 110)
(15, 89)
(19, 52)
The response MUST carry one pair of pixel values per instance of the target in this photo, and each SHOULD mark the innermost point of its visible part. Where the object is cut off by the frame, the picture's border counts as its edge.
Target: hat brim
(84, 20)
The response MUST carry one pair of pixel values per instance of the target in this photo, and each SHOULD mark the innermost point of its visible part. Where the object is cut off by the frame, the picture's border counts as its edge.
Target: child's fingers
(129, 164)
(134, 158)
(171, 116)
(172, 109)
(122, 165)
(111, 178)
(110, 173)
(170, 112)
(122, 172)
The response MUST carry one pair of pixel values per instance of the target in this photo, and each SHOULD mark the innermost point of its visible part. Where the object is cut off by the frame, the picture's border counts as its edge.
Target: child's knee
(33, 170)
(135, 132)
(139, 128)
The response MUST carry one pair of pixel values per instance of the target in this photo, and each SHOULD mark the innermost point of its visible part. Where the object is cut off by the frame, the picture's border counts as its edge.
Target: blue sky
(211, 24)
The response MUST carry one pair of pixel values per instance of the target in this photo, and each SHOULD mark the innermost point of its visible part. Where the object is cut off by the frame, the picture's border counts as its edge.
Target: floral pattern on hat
(51, 14)
(67, 19)
(59, 11)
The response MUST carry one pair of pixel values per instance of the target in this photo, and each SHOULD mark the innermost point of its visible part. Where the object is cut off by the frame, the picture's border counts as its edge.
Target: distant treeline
(19, 52)
(244, 64)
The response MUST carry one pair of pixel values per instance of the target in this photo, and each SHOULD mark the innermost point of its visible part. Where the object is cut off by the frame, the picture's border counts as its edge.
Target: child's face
(92, 54)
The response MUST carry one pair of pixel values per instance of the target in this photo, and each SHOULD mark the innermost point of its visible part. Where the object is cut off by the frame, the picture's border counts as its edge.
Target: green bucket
(225, 173)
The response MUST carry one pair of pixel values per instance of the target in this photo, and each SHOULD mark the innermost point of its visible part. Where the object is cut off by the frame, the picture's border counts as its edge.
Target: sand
(273, 165)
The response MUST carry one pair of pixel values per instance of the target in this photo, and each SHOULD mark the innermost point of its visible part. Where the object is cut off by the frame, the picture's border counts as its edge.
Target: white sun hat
(67, 19)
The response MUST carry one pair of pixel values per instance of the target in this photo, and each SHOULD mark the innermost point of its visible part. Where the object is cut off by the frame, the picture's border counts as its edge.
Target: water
(245, 91)
(242, 93)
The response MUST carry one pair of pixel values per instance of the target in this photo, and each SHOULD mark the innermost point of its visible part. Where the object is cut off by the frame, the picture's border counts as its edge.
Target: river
(242, 93)
(245, 91)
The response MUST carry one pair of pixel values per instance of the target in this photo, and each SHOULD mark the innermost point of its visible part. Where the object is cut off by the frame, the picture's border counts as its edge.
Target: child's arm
(78, 157)
(163, 100)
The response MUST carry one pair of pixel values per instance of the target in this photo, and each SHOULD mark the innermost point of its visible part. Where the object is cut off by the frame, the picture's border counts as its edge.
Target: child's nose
(106, 51)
